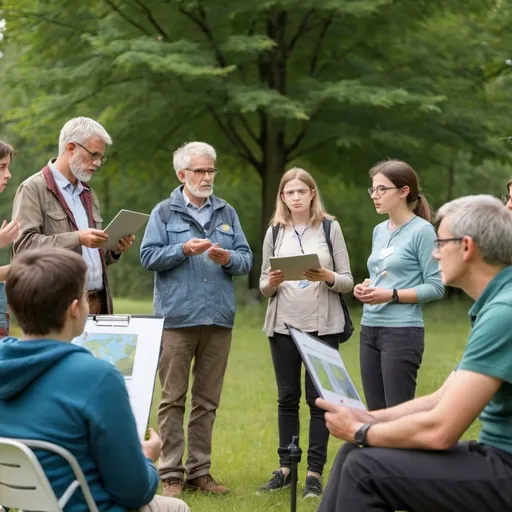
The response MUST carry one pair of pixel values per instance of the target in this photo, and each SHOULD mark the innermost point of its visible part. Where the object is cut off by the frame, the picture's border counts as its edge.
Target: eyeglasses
(380, 190)
(301, 192)
(201, 172)
(439, 242)
(95, 156)
(506, 198)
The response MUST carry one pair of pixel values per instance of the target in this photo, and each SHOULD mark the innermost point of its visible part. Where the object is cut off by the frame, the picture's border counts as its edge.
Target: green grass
(245, 433)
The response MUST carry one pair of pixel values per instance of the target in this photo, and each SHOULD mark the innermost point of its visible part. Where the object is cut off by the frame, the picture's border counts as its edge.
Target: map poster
(327, 370)
(132, 344)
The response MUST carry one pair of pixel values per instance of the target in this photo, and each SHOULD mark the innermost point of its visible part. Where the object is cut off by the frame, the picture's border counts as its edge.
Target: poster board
(132, 344)
(327, 370)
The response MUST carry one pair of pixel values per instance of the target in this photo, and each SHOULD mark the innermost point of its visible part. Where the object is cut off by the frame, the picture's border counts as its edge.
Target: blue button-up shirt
(202, 214)
(71, 194)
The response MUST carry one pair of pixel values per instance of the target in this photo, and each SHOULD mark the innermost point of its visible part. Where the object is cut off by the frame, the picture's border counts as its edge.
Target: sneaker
(312, 488)
(206, 483)
(276, 483)
(172, 487)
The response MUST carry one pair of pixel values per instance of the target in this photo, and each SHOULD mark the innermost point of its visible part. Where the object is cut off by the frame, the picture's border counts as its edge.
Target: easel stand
(295, 454)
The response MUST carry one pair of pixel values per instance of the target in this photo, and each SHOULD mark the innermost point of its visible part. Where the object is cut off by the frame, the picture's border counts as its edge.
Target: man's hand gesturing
(196, 246)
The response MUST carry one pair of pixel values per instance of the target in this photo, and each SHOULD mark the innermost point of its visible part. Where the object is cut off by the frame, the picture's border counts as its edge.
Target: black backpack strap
(327, 223)
(349, 326)
(275, 232)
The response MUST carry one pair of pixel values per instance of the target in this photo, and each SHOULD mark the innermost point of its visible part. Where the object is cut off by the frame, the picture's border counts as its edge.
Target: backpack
(349, 326)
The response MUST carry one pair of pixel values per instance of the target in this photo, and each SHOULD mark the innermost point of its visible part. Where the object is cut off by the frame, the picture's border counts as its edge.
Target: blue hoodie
(59, 392)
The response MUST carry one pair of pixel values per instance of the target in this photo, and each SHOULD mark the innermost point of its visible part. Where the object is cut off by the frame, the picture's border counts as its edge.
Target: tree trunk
(451, 181)
(272, 70)
(274, 161)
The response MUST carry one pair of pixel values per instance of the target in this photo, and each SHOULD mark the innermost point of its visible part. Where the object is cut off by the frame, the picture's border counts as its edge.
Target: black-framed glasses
(506, 198)
(439, 242)
(380, 190)
(201, 172)
(95, 156)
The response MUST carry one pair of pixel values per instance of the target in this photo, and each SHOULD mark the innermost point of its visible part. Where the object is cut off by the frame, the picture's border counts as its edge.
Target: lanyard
(299, 238)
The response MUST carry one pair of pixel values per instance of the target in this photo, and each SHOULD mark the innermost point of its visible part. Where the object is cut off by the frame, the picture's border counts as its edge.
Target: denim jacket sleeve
(241, 254)
(155, 253)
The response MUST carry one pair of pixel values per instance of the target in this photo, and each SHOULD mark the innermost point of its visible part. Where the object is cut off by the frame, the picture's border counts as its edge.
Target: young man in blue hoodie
(52, 390)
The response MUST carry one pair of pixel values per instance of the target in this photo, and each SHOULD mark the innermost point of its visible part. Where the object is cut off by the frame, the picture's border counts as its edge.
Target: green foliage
(330, 85)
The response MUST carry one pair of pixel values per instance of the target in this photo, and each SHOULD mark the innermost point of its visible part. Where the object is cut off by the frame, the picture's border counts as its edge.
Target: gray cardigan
(329, 307)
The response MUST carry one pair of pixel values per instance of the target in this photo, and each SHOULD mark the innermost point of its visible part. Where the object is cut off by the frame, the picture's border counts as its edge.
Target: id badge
(386, 252)
(303, 284)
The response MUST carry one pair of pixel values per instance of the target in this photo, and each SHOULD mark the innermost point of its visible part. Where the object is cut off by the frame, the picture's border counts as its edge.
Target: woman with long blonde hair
(311, 304)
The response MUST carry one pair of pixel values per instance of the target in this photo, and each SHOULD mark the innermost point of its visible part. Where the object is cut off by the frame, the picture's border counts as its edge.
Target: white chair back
(23, 483)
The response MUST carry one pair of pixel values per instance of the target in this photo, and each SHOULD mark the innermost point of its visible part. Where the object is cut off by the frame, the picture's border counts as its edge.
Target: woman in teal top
(8, 232)
(403, 275)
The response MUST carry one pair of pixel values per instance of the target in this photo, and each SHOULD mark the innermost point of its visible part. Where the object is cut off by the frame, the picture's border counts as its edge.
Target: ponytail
(422, 208)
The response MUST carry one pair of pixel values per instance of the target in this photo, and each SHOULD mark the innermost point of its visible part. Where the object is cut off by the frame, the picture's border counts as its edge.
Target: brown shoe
(206, 483)
(173, 487)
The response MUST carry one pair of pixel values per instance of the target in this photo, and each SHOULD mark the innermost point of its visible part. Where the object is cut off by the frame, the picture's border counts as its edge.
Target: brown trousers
(209, 347)
(97, 303)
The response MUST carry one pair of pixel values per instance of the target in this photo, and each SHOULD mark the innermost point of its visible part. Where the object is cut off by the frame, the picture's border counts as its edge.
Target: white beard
(77, 168)
(202, 194)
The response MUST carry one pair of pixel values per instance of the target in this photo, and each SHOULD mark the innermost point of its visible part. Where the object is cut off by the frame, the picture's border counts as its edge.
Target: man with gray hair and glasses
(56, 207)
(409, 457)
(195, 244)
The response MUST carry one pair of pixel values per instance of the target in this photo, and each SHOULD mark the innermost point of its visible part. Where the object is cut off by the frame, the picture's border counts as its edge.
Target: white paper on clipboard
(132, 344)
(125, 223)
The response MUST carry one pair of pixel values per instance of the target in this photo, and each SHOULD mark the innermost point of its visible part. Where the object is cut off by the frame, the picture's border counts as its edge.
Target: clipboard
(132, 344)
(327, 370)
(294, 266)
(126, 222)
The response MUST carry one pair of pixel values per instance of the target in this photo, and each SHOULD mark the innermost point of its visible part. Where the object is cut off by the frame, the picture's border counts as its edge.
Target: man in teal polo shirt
(409, 457)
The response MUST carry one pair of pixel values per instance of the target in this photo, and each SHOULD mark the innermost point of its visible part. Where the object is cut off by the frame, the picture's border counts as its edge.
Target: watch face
(360, 436)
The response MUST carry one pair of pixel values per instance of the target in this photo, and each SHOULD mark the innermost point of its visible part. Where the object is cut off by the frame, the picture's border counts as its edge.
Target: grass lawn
(245, 434)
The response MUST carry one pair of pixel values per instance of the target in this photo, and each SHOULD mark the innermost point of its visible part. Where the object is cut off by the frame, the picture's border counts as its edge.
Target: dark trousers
(470, 477)
(287, 366)
(390, 358)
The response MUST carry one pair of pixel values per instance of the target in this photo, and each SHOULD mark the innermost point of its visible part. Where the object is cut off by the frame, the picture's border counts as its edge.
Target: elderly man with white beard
(195, 244)
(56, 207)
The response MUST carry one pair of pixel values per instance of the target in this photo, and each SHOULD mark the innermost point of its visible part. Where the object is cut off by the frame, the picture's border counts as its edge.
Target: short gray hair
(81, 129)
(486, 221)
(181, 157)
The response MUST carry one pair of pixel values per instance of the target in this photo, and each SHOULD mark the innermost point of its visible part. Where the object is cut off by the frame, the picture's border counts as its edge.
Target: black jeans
(470, 477)
(287, 366)
(390, 358)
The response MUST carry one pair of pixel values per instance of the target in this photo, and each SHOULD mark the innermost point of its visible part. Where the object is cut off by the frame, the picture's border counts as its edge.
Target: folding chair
(23, 483)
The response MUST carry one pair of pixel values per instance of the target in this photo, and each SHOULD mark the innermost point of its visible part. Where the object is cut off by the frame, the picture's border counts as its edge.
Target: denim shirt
(202, 214)
(193, 290)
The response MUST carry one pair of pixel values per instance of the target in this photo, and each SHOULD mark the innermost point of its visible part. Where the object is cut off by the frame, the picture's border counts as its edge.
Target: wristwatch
(361, 434)
(395, 295)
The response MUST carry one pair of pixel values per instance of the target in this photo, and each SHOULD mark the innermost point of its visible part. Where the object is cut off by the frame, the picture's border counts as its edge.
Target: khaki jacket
(47, 221)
